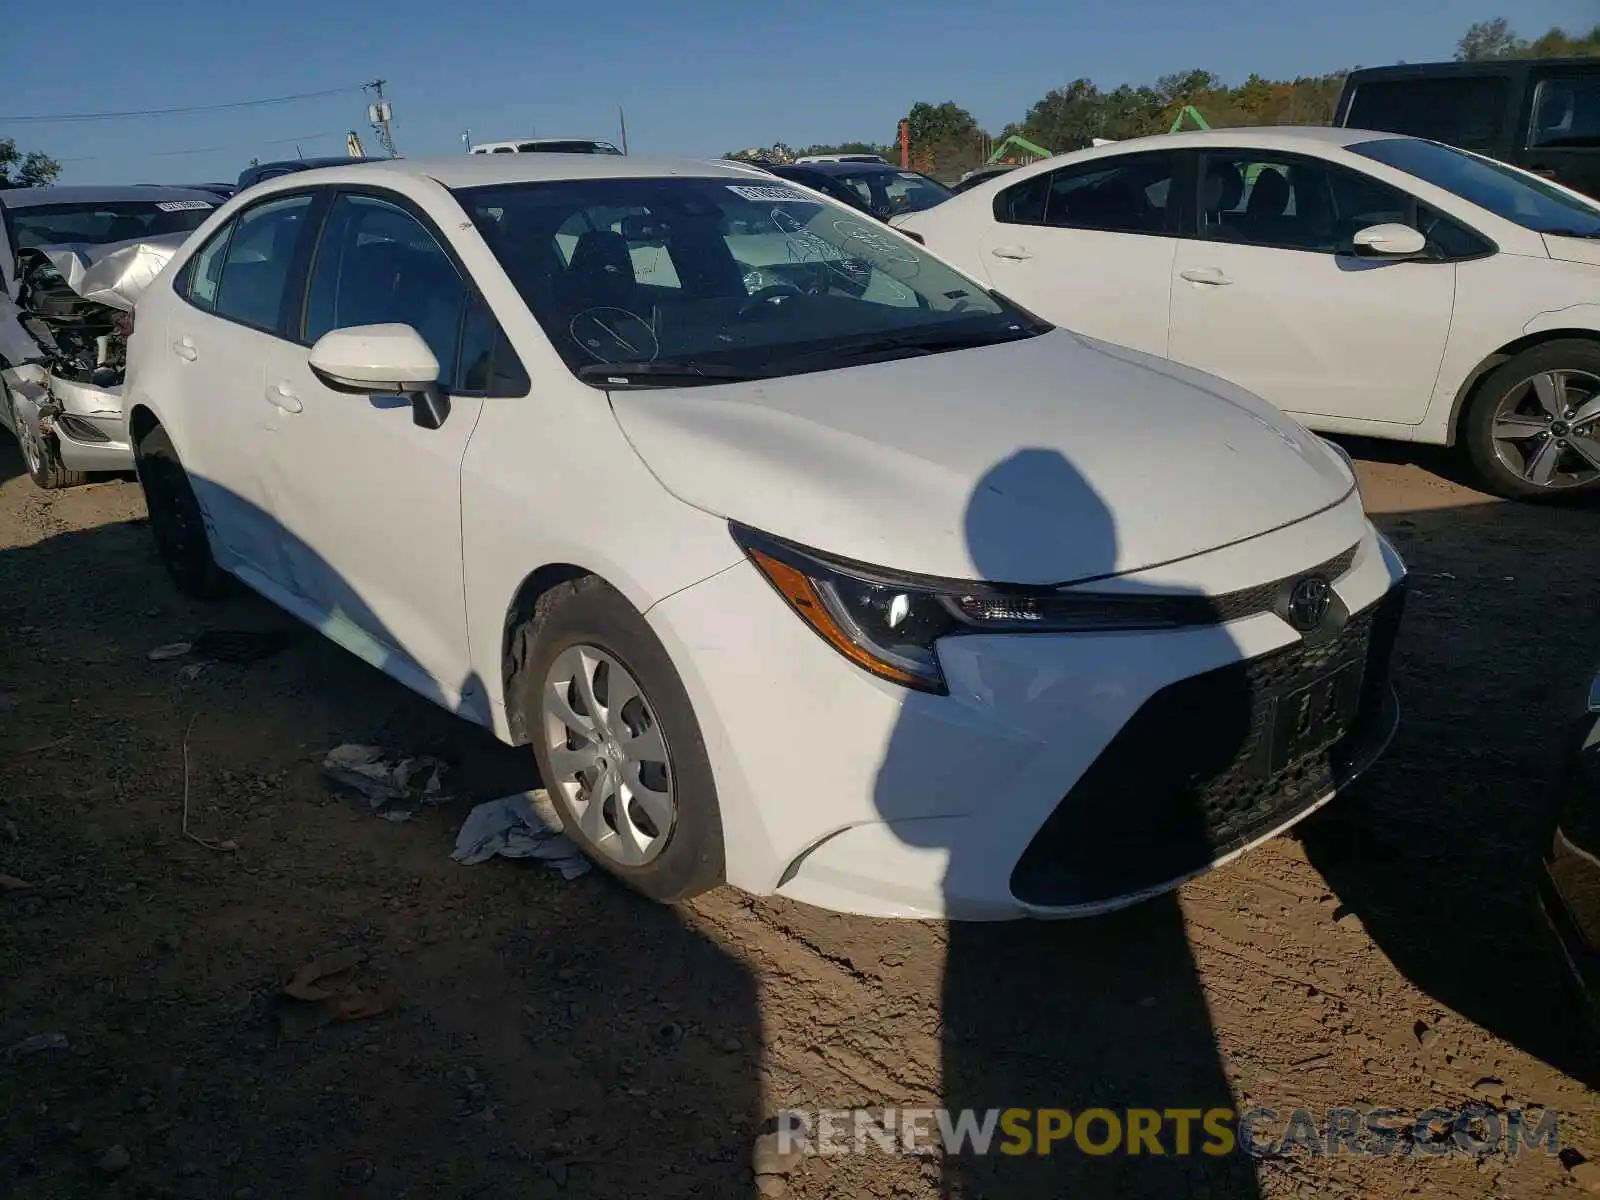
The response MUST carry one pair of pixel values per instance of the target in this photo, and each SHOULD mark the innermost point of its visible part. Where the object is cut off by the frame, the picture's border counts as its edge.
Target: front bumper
(1020, 793)
(84, 421)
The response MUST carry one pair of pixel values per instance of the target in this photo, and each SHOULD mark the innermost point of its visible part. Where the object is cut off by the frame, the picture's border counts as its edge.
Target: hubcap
(607, 755)
(1547, 429)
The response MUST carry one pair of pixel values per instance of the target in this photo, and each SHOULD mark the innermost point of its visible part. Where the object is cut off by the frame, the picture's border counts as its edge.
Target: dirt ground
(547, 1038)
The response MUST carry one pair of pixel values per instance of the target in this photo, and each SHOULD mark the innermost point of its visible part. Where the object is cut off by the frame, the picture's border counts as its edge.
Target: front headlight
(887, 622)
(1348, 461)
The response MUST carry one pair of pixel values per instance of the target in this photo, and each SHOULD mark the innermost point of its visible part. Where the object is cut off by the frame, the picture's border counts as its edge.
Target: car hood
(1049, 460)
(1571, 249)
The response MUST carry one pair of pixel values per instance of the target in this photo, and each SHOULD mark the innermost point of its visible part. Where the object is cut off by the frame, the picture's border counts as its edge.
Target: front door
(372, 500)
(1269, 295)
(1564, 128)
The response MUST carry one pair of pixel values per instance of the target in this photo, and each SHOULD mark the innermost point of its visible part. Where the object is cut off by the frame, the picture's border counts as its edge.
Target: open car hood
(113, 274)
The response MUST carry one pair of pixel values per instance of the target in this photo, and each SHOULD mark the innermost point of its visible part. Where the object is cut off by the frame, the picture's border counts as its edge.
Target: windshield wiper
(665, 373)
(929, 342)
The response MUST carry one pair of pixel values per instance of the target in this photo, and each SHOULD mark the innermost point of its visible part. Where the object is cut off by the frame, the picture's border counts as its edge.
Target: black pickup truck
(1539, 114)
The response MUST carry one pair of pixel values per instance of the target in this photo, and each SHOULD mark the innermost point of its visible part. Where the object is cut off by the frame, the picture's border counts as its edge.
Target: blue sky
(695, 77)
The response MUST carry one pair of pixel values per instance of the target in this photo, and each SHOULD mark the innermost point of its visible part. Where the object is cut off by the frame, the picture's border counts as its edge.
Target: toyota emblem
(1308, 602)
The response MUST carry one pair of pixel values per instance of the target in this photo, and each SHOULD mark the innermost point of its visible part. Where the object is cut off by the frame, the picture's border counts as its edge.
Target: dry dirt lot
(546, 1038)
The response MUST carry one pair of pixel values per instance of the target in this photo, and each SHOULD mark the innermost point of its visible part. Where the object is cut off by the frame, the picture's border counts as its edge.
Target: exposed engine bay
(76, 303)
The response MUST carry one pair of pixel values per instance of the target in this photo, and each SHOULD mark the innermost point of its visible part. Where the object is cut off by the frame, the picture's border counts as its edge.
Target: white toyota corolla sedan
(1364, 283)
(803, 561)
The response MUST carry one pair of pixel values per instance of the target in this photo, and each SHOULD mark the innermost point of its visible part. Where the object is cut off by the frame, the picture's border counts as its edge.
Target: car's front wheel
(176, 520)
(1533, 429)
(617, 743)
(38, 451)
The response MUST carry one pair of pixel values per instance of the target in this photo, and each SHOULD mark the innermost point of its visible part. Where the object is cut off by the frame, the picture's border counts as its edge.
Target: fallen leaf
(316, 980)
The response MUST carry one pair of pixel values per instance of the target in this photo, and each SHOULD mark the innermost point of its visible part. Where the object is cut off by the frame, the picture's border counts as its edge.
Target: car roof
(38, 197)
(1261, 137)
(838, 168)
(332, 160)
(479, 170)
(1480, 66)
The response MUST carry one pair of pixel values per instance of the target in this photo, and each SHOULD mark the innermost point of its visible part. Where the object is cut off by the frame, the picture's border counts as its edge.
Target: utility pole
(379, 114)
(623, 122)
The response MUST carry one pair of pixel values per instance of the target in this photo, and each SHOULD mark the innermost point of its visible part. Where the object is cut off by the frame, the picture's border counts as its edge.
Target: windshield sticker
(908, 175)
(879, 249)
(614, 335)
(182, 205)
(781, 194)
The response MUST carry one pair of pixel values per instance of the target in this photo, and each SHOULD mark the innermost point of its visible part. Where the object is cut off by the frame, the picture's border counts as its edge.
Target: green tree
(33, 169)
(1488, 39)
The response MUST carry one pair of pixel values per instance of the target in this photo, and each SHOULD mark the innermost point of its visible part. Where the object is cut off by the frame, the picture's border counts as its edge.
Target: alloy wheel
(607, 755)
(1547, 429)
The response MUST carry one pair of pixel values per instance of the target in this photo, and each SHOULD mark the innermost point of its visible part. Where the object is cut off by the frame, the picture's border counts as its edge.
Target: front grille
(1190, 778)
(1265, 597)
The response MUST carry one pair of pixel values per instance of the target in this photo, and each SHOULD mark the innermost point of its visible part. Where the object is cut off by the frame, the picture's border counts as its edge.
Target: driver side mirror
(382, 360)
(1390, 240)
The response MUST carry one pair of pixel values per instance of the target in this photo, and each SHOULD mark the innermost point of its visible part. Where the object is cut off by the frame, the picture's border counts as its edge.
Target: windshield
(99, 224)
(1504, 191)
(723, 278)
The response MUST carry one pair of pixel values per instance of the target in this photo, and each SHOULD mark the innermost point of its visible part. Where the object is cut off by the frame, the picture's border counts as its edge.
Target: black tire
(1477, 425)
(176, 520)
(588, 611)
(40, 456)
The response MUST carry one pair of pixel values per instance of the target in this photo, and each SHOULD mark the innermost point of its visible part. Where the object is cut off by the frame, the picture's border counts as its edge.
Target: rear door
(1563, 135)
(1090, 246)
(235, 294)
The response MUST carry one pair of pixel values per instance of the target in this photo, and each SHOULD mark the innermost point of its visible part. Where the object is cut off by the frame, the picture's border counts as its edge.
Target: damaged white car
(73, 261)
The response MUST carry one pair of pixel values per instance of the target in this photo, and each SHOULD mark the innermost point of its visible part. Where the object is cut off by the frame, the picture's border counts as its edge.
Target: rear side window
(1467, 111)
(1128, 194)
(1566, 113)
(257, 264)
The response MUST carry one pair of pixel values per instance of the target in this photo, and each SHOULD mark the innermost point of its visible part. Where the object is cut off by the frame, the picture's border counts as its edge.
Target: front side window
(1258, 198)
(1566, 113)
(887, 193)
(258, 262)
(722, 278)
(1127, 194)
(1509, 194)
(377, 264)
(1465, 111)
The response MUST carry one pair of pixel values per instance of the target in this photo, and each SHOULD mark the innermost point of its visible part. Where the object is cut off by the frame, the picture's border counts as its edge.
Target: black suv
(1541, 114)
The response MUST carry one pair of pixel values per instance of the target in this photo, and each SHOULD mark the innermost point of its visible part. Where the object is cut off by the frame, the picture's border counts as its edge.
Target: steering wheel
(767, 295)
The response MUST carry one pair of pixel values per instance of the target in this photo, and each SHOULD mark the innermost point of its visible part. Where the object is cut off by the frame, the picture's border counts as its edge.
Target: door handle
(1211, 275)
(280, 396)
(184, 349)
(1014, 253)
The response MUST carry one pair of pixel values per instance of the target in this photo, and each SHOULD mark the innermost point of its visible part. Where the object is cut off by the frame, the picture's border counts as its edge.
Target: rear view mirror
(382, 360)
(640, 227)
(1391, 240)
